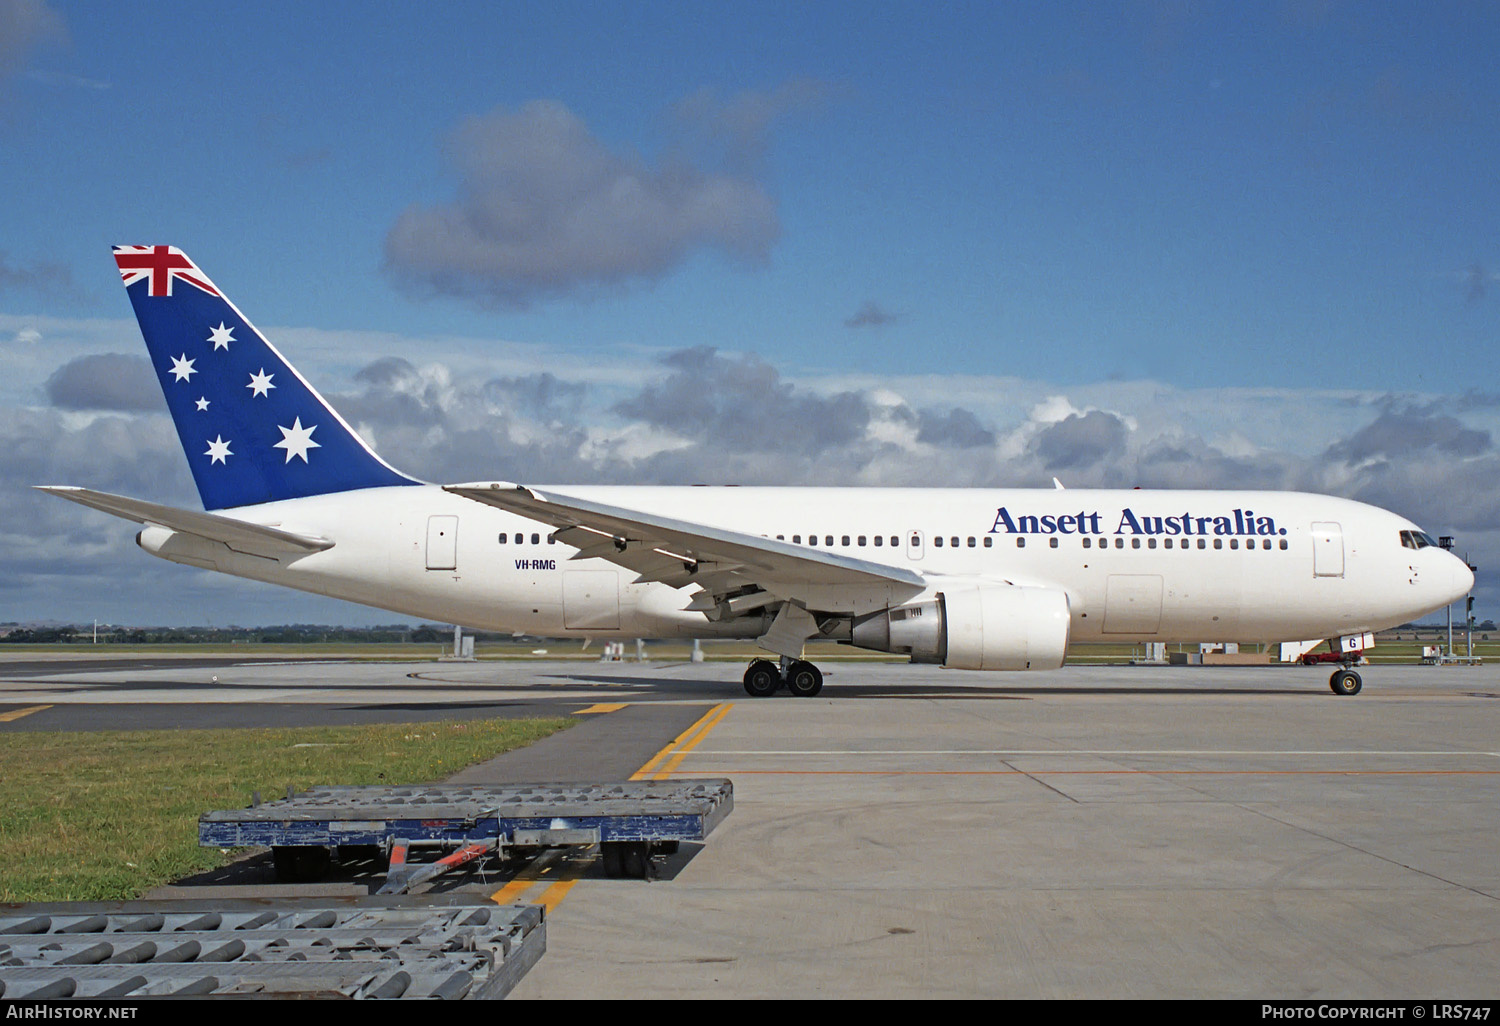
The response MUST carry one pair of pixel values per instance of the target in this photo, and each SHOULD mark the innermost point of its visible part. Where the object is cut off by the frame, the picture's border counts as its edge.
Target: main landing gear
(1345, 682)
(764, 678)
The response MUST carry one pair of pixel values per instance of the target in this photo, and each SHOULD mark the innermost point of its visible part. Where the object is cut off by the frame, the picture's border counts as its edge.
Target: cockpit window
(1416, 539)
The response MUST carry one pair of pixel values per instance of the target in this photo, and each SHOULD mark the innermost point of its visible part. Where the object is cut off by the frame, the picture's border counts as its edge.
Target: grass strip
(110, 815)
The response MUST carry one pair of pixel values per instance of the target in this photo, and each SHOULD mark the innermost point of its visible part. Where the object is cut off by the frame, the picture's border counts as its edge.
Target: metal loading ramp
(179, 948)
(630, 821)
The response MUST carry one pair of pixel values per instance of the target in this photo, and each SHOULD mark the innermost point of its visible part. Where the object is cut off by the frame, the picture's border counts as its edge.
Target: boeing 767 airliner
(978, 579)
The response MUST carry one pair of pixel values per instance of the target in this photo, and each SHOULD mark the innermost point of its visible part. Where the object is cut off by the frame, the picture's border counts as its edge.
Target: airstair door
(1328, 550)
(442, 543)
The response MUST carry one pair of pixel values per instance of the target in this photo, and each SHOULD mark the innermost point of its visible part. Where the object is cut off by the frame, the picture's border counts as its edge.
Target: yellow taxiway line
(660, 765)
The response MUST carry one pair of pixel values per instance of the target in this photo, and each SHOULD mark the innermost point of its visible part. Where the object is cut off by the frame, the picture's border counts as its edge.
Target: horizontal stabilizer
(256, 539)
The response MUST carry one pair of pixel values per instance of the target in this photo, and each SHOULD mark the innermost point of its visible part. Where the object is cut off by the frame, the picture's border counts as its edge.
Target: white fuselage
(1135, 565)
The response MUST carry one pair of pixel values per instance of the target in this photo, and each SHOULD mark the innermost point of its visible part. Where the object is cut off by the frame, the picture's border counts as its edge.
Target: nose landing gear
(1345, 682)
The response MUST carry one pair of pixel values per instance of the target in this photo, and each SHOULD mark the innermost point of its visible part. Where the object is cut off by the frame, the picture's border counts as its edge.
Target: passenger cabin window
(937, 541)
(878, 540)
(520, 538)
(536, 539)
(1050, 541)
(828, 540)
(1086, 543)
(812, 539)
(1020, 543)
(502, 539)
(845, 542)
(989, 542)
(861, 541)
(796, 539)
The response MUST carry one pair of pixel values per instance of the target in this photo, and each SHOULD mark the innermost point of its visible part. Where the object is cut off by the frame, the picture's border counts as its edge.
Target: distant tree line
(285, 634)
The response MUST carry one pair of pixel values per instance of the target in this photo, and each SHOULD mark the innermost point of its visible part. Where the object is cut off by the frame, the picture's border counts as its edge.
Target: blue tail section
(253, 430)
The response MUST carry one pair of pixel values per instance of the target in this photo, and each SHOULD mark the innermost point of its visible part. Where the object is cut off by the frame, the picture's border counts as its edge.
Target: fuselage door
(913, 544)
(442, 543)
(1328, 550)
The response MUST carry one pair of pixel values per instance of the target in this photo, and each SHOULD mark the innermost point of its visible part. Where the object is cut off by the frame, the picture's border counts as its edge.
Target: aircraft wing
(255, 539)
(724, 563)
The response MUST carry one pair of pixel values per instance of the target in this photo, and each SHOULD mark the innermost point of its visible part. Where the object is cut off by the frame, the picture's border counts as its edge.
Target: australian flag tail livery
(252, 428)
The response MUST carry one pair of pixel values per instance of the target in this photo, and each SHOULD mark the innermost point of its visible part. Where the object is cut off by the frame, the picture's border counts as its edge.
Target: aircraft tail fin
(254, 430)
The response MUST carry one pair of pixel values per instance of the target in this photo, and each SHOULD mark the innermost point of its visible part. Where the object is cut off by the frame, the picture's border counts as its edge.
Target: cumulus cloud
(741, 403)
(38, 276)
(956, 427)
(739, 127)
(105, 381)
(545, 208)
(1404, 432)
(1081, 440)
(870, 315)
(702, 415)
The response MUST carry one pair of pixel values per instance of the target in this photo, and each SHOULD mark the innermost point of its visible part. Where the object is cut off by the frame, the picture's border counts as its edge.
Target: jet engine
(969, 626)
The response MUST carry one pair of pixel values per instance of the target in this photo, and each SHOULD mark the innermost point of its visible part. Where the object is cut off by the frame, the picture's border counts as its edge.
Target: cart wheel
(300, 864)
(635, 859)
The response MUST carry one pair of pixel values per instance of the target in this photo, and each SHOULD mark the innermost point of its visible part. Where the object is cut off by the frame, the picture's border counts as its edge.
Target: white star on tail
(260, 384)
(222, 336)
(296, 440)
(182, 368)
(202, 404)
(217, 450)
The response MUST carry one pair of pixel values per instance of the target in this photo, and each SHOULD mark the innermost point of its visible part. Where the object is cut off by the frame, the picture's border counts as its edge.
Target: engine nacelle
(974, 627)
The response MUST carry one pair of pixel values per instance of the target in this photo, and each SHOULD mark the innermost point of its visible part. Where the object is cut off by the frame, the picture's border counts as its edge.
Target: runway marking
(569, 870)
(553, 896)
(16, 714)
(682, 744)
(1205, 752)
(1105, 773)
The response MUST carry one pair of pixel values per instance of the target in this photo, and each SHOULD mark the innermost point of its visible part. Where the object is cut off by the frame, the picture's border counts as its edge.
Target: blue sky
(1257, 242)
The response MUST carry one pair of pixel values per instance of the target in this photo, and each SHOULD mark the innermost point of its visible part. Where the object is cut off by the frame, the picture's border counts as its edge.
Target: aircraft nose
(1463, 578)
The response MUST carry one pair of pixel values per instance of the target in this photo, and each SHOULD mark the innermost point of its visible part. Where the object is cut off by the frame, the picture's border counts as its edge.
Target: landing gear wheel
(803, 679)
(762, 679)
(1345, 682)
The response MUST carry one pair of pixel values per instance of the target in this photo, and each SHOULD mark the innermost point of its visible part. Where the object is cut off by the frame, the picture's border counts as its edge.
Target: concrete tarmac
(1098, 832)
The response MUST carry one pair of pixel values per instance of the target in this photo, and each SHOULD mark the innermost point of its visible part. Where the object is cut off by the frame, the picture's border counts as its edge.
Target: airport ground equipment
(129, 950)
(630, 821)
